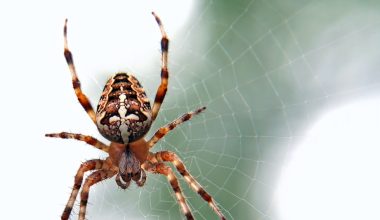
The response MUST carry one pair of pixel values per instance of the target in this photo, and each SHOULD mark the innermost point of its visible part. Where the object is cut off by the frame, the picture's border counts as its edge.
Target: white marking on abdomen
(113, 119)
(122, 109)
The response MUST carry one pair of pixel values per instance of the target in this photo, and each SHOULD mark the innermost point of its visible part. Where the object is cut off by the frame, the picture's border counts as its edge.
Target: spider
(123, 117)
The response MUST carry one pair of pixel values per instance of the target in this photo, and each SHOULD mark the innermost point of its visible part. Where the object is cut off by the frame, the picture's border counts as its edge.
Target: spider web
(264, 69)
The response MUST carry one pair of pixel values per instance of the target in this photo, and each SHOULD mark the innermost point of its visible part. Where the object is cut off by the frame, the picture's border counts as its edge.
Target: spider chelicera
(124, 116)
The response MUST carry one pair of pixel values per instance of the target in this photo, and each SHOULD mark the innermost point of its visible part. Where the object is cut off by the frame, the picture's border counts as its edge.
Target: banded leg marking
(82, 98)
(166, 129)
(167, 171)
(167, 156)
(84, 167)
(92, 179)
(161, 91)
(80, 137)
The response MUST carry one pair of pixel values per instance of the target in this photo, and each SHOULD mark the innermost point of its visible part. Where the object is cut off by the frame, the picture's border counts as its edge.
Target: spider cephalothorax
(124, 116)
(129, 169)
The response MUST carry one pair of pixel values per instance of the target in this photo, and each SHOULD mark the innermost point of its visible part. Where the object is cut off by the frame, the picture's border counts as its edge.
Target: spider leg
(164, 130)
(161, 91)
(167, 156)
(92, 179)
(161, 168)
(83, 100)
(80, 137)
(84, 167)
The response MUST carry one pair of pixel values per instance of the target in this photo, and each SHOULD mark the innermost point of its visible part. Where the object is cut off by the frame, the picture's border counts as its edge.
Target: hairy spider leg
(80, 137)
(92, 179)
(82, 98)
(167, 128)
(95, 164)
(161, 91)
(163, 169)
(167, 156)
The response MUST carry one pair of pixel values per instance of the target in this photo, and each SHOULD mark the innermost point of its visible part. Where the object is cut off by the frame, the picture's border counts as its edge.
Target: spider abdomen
(123, 114)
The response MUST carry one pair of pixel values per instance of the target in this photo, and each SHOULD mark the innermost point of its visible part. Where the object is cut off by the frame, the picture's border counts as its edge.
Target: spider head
(123, 114)
(129, 165)
(129, 168)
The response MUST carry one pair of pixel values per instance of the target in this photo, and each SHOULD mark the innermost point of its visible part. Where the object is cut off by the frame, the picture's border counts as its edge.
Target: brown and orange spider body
(123, 117)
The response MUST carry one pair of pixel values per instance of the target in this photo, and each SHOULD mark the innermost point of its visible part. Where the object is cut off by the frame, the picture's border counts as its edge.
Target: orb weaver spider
(124, 116)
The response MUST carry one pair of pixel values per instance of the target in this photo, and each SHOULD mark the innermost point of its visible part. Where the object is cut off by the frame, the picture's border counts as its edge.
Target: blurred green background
(265, 69)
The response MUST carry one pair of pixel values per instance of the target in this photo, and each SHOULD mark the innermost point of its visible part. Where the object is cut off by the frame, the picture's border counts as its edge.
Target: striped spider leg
(155, 164)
